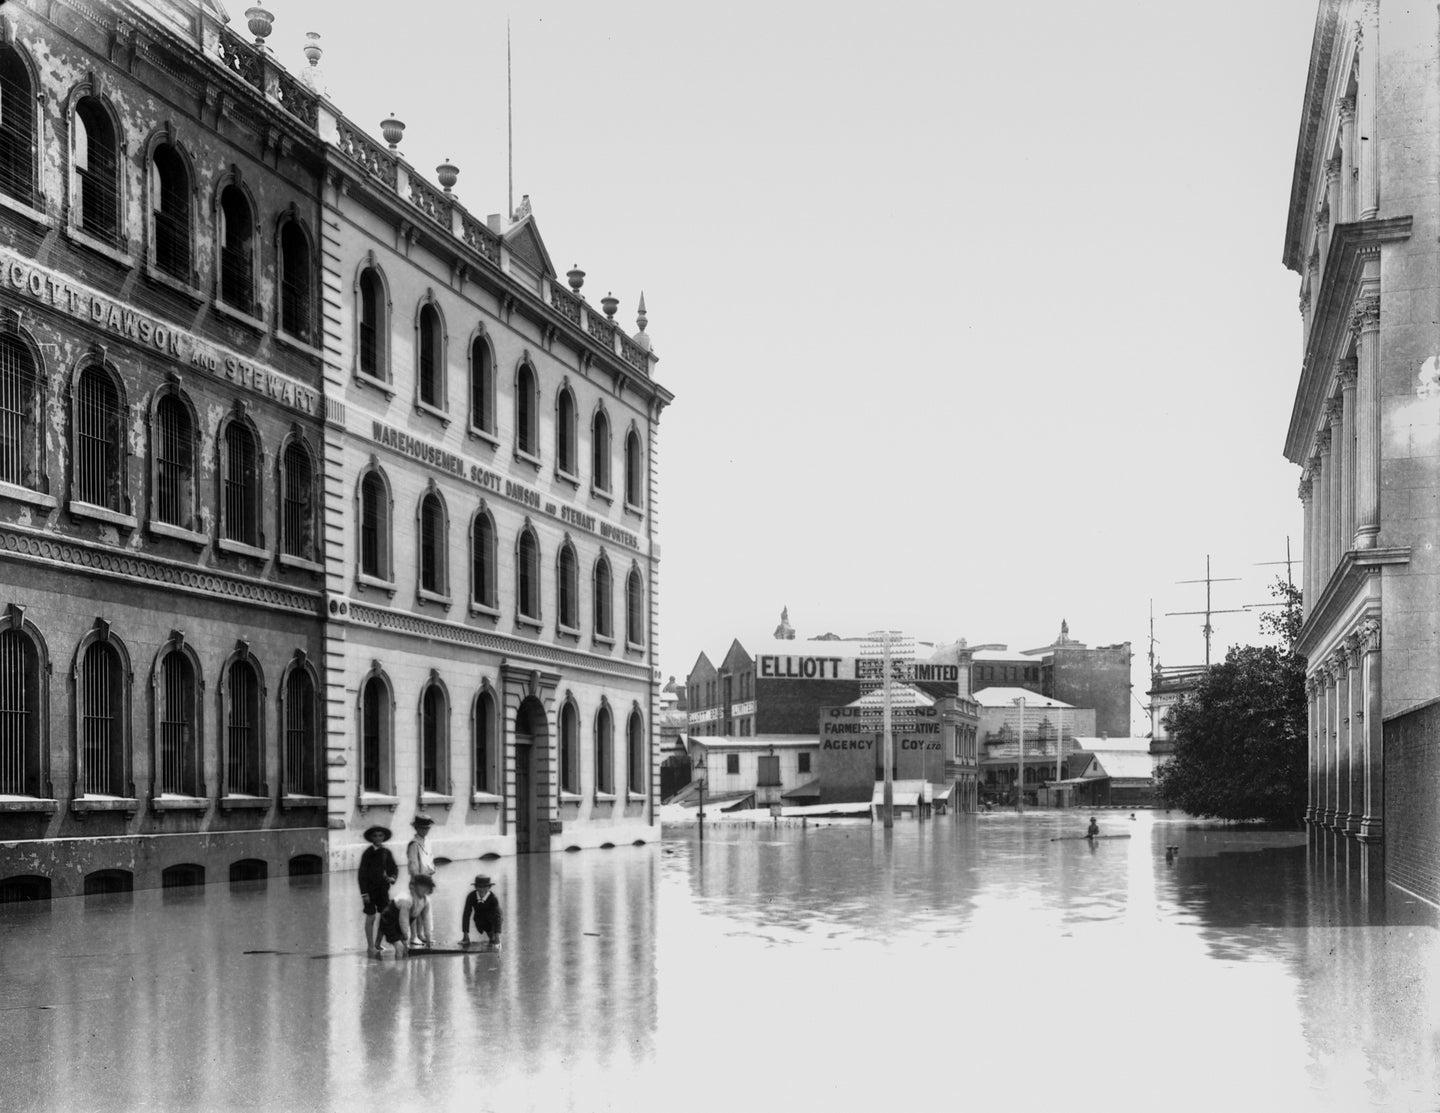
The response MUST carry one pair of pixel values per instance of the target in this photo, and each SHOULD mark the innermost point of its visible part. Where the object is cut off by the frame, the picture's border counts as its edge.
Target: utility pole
(1209, 609)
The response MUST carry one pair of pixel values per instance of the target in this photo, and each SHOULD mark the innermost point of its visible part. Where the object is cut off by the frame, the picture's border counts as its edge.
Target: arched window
(102, 693)
(634, 608)
(527, 417)
(376, 718)
(240, 484)
(569, 749)
(21, 407)
(17, 127)
(372, 343)
(634, 471)
(374, 526)
(237, 250)
(600, 451)
(23, 706)
(434, 578)
(482, 386)
(482, 560)
(170, 212)
(99, 449)
(434, 738)
(297, 502)
(486, 742)
(430, 357)
(95, 154)
(604, 599)
(303, 757)
(635, 764)
(567, 587)
(296, 281)
(604, 751)
(527, 575)
(243, 700)
(566, 435)
(177, 704)
(174, 489)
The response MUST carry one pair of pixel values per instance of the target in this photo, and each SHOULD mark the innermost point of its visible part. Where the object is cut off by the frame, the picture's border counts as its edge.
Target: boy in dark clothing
(484, 907)
(377, 873)
(392, 928)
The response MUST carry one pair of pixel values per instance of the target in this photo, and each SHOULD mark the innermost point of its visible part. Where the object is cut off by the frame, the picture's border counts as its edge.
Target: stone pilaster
(1372, 823)
(1347, 160)
(1365, 323)
(1340, 667)
(1346, 375)
(1307, 591)
(1355, 699)
(1338, 543)
(1312, 741)
(1324, 565)
(1367, 43)
(1327, 747)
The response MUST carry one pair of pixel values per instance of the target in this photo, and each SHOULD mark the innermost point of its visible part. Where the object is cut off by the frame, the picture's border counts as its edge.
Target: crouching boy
(483, 907)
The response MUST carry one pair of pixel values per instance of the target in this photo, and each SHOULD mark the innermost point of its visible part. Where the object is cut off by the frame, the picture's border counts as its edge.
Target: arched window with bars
(99, 455)
(23, 704)
(240, 485)
(17, 127)
(177, 705)
(237, 249)
(303, 755)
(102, 691)
(243, 701)
(21, 407)
(95, 161)
(170, 213)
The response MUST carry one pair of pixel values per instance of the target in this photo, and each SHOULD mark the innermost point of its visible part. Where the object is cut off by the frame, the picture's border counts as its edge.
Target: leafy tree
(1240, 738)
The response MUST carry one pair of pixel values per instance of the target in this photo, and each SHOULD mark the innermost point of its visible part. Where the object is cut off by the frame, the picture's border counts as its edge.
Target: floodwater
(834, 966)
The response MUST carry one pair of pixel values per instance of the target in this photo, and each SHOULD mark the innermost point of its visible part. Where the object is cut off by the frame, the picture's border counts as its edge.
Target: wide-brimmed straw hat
(481, 882)
(384, 832)
(422, 821)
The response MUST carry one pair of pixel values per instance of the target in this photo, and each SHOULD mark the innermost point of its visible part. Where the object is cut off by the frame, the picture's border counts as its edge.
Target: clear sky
(974, 314)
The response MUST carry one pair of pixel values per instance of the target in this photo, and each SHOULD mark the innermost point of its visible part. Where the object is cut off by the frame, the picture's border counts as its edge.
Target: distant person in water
(1093, 830)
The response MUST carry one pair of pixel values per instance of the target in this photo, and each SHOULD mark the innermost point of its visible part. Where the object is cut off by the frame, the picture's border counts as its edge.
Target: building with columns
(1362, 234)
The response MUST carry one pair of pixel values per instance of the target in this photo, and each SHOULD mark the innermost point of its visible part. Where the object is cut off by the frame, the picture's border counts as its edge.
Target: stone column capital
(1369, 634)
(1365, 314)
(1345, 106)
(1332, 168)
(1322, 440)
(1347, 373)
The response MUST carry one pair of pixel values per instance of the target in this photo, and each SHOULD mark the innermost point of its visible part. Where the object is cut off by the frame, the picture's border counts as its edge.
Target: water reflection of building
(161, 454)
(1361, 233)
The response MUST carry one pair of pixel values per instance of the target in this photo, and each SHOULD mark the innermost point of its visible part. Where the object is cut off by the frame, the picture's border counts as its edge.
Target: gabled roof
(523, 240)
(1005, 697)
(701, 661)
(1126, 764)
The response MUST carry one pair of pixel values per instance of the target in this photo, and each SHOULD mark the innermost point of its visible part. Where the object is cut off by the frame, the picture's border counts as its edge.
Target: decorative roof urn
(312, 47)
(260, 23)
(393, 130)
(610, 303)
(576, 277)
(447, 173)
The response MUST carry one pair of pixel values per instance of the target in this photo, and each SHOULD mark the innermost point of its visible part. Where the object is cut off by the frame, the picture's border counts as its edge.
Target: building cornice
(1347, 583)
(1313, 113)
(1351, 246)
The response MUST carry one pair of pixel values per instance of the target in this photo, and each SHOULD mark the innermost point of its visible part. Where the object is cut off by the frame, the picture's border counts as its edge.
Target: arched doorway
(532, 741)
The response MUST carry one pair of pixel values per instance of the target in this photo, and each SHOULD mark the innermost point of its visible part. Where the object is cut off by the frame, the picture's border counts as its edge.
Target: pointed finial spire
(640, 322)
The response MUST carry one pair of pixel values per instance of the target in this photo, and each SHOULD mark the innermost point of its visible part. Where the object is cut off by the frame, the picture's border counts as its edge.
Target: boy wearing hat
(420, 860)
(377, 874)
(484, 907)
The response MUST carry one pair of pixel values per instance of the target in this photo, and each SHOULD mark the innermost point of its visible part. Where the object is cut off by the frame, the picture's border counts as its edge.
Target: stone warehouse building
(161, 458)
(1363, 226)
(491, 530)
(321, 501)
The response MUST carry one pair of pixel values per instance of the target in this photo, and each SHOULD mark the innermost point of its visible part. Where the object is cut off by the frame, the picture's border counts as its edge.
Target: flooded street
(966, 959)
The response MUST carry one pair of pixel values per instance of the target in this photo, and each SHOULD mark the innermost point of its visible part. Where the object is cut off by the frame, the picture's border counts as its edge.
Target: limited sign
(787, 667)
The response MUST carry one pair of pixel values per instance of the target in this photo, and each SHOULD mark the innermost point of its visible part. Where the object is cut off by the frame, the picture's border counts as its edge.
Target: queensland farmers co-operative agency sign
(858, 728)
(785, 667)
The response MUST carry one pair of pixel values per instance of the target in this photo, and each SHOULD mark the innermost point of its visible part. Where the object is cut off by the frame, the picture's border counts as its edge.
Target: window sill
(604, 798)
(236, 802)
(633, 510)
(104, 804)
(179, 285)
(240, 549)
(425, 409)
(571, 798)
(477, 434)
(636, 797)
(571, 632)
(298, 344)
(225, 309)
(634, 647)
(294, 800)
(178, 533)
(288, 561)
(362, 581)
(29, 804)
(37, 215)
(110, 251)
(25, 494)
(101, 514)
(567, 477)
(603, 494)
(377, 800)
(524, 457)
(479, 798)
(482, 609)
(169, 802)
(362, 379)
(602, 639)
(532, 623)
(427, 596)
(430, 799)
